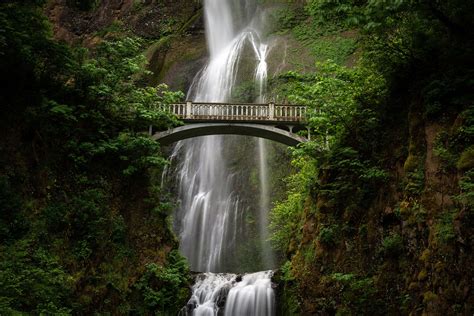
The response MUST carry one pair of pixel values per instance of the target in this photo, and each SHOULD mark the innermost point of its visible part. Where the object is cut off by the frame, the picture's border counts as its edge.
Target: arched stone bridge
(271, 121)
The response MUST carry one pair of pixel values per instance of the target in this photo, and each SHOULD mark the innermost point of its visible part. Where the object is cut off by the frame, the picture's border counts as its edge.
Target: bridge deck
(192, 112)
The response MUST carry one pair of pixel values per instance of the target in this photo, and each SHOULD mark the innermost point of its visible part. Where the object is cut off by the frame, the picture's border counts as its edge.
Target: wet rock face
(173, 29)
(148, 19)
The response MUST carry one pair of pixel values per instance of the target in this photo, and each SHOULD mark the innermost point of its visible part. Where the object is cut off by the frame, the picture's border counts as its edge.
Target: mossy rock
(466, 160)
(175, 60)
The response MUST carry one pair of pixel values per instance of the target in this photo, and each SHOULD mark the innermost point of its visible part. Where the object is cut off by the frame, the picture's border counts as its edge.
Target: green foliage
(31, 278)
(282, 220)
(466, 184)
(165, 289)
(77, 169)
(392, 245)
(286, 216)
(454, 147)
(11, 223)
(286, 271)
(359, 295)
(336, 117)
(351, 177)
(444, 228)
(415, 182)
(466, 160)
(333, 95)
(328, 235)
(413, 57)
(324, 47)
(287, 300)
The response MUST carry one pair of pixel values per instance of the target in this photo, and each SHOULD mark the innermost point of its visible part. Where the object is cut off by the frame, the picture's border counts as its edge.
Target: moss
(439, 266)
(414, 286)
(392, 245)
(422, 275)
(466, 160)
(411, 163)
(425, 255)
(405, 210)
(444, 228)
(429, 297)
(328, 235)
(191, 21)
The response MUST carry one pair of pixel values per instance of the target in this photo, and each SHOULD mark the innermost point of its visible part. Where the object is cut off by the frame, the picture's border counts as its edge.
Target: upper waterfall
(210, 218)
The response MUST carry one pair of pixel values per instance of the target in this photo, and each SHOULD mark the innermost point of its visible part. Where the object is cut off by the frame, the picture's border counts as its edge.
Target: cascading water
(210, 216)
(264, 204)
(251, 296)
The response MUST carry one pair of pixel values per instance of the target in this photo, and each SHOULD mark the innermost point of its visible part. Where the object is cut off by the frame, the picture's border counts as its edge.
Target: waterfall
(209, 292)
(261, 75)
(247, 295)
(209, 218)
(264, 204)
(251, 296)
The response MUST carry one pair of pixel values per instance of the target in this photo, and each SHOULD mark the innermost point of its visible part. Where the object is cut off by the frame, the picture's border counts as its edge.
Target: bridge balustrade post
(271, 111)
(189, 107)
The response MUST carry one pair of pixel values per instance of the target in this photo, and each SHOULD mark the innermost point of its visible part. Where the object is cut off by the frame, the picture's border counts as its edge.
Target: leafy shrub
(165, 288)
(328, 235)
(466, 160)
(392, 245)
(32, 280)
(359, 294)
(12, 223)
(444, 228)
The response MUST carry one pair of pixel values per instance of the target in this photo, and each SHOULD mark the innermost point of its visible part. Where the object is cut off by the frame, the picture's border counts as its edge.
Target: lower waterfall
(251, 296)
(230, 294)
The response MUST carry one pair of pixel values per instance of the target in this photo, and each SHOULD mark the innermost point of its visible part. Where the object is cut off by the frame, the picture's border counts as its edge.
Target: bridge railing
(237, 111)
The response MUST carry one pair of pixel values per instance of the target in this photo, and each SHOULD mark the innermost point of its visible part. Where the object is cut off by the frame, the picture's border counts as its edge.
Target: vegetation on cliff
(83, 226)
(379, 218)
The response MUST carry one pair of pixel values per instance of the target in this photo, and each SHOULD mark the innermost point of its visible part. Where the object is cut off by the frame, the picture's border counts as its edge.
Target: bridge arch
(204, 129)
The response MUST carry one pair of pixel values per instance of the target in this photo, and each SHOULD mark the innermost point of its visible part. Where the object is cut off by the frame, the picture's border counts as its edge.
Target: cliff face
(408, 252)
(173, 32)
(383, 221)
(395, 242)
(148, 19)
